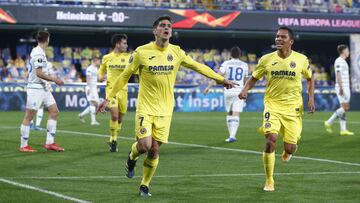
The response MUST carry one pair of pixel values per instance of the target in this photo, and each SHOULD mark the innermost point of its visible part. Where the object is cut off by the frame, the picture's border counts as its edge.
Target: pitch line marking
(43, 191)
(189, 176)
(212, 147)
(218, 148)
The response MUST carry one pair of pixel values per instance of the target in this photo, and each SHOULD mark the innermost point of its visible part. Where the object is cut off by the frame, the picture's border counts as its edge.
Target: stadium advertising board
(184, 19)
(188, 98)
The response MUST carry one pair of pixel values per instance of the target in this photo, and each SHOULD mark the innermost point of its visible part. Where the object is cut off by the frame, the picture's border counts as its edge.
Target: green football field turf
(196, 166)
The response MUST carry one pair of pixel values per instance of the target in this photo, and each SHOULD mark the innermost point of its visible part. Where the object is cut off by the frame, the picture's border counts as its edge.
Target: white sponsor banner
(355, 62)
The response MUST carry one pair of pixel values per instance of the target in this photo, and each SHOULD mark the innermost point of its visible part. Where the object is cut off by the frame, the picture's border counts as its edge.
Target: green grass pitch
(196, 166)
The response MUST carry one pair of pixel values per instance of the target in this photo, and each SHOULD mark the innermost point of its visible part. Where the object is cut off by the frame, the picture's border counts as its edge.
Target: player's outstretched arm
(43, 76)
(228, 84)
(310, 88)
(211, 83)
(102, 106)
(248, 85)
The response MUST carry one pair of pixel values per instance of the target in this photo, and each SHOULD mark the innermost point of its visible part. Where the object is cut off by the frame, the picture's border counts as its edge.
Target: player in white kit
(342, 88)
(38, 94)
(40, 111)
(236, 70)
(91, 91)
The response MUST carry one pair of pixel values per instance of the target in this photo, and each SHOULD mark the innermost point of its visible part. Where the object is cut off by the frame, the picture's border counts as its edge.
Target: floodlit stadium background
(197, 166)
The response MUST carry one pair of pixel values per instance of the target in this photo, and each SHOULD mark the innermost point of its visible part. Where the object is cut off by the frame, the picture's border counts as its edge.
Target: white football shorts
(345, 98)
(37, 98)
(92, 94)
(232, 102)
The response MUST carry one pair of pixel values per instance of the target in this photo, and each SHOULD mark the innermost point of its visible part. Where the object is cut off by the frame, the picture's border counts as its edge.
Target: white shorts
(232, 102)
(39, 98)
(92, 94)
(345, 98)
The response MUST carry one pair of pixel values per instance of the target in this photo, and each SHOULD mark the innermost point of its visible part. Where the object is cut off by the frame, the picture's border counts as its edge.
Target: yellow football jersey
(113, 65)
(157, 72)
(284, 89)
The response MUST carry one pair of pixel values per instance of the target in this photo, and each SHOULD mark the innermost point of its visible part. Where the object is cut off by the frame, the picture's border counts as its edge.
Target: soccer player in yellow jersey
(283, 99)
(157, 63)
(113, 64)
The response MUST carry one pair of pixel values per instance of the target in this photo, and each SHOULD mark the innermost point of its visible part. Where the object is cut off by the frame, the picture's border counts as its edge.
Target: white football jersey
(37, 60)
(235, 70)
(342, 66)
(92, 76)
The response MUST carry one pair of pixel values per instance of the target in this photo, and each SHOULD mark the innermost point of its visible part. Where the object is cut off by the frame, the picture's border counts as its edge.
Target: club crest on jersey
(131, 59)
(292, 64)
(170, 57)
(267, 125)
(143, 131)
(122, 60)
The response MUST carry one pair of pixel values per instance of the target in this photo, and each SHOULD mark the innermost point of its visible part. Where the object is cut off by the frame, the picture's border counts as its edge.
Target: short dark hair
(116, 38)
(235, 52)
(165, 17)
(290, 31)
(341, 48)
(42, 36)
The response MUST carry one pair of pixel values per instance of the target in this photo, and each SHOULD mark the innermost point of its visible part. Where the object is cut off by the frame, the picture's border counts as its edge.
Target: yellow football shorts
(120, 101)
(156, 126)
(289, 127)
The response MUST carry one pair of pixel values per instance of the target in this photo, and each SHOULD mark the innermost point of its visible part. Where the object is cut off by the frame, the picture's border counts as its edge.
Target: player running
(283, 99)
(157, 63)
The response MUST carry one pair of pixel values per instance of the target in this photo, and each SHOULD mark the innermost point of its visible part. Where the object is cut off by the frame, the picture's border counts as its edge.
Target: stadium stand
(70, 63)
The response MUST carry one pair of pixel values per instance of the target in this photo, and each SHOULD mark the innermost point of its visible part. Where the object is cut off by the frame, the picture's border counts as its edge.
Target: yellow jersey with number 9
(283, 92)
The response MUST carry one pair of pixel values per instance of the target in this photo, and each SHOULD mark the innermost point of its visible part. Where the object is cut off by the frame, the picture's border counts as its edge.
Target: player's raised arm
(188, 62)
(212, 83)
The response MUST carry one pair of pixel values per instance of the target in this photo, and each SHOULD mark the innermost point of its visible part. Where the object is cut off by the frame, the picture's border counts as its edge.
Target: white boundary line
(217, 148)
(43, 191)
(211, 147)
(187, 176)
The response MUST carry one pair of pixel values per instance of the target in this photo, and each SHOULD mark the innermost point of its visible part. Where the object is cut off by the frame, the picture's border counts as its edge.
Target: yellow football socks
(269, 164)
(149, 168)
(134, 155)
(114, 126)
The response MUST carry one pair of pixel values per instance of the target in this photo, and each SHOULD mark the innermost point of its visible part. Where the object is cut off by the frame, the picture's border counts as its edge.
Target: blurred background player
(283, 99)
(113, 64)
(159, 63)
(38, 94)
(236, 70)
(342, 88)
(91, 91)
